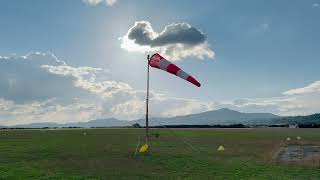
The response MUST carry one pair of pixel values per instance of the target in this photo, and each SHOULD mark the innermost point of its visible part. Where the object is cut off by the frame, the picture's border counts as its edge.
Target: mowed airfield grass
(108, 154)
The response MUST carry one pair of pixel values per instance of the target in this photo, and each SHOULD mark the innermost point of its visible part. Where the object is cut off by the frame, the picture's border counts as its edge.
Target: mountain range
(222, 116)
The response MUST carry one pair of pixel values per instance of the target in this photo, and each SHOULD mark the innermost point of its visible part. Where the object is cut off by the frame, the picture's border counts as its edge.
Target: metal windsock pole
(147, 102)
(157, 61)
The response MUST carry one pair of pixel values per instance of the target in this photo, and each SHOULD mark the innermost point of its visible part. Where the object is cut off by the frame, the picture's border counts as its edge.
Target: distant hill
(111, 122)
(310, 119)
(36, 125)
(222, 116)
(216, 117)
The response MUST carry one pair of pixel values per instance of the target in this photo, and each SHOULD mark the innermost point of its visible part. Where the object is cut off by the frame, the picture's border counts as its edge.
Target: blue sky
(262, 50)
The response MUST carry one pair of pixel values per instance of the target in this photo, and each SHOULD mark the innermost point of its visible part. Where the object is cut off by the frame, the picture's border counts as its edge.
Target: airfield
(263, 153)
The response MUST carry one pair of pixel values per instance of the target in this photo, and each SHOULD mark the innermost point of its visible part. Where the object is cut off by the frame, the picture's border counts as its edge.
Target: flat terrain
(175, 154)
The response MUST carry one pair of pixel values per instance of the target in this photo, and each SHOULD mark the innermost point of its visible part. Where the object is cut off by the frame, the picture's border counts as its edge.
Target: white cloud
(85, 78)
(161, 106)
(39, 87)
(93, 2)
(311, 88)
(300, 101)
(97, 2)
(262, 28)
(111, 2)
(23, 80)
(175, 42)
(38, 77)
(286, 106)
(315, 5)
(51, 110)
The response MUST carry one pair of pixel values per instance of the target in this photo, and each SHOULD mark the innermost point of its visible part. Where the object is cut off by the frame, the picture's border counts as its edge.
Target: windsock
(159, 62)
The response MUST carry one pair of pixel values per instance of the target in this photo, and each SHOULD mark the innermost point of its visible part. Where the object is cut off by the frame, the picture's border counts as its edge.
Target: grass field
(108, 154)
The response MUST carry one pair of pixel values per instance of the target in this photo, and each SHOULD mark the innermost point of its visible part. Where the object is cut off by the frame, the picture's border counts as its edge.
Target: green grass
(108, 154)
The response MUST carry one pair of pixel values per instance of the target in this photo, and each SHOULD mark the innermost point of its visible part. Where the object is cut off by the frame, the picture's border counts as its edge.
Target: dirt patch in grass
(300, 154)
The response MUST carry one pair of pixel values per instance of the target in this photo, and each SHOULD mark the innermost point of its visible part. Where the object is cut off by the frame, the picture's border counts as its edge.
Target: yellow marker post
(298, 138)
(221, 148)
(143, 148)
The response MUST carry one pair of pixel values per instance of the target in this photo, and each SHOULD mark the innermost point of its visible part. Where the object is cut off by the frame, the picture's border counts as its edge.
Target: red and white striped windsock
(159, 62)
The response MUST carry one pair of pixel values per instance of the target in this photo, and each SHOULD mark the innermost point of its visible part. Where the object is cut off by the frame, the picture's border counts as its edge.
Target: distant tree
(136, 125)
(309, 125)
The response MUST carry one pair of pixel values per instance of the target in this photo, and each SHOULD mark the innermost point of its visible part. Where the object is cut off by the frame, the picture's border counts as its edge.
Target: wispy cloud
(262, 28)
(299, 101)
(175, 42)
(97, 2)
(40, 87)
(311, 88)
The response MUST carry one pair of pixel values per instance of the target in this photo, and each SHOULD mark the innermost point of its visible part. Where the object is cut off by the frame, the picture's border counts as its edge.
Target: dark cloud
(141, 33)
(175, 41)
(182, 33)
(179, 33)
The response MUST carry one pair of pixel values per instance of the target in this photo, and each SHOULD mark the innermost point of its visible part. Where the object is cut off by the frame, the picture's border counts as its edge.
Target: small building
(293, 126)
